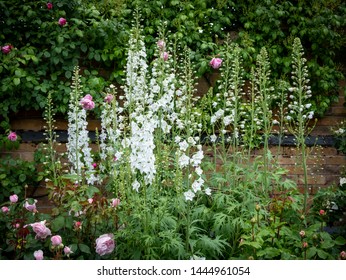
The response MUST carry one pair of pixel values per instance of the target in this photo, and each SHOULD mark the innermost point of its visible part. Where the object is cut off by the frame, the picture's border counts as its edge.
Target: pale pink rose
(105, 244)
(322, 212)
(5, 209)
(38, 255)
(343, 255)
(67, 251)
(115, 202)
(161, 44)
(6, 49)
(305, 244)
(87, 102)
(56, 240)
(215, 62)
(62, 21)
(90, 200)
(49, 6)
(109, 98)
(164, 55)
(42, 232)
(14, 198)
(30, 207)
(302, 233)
(12, 136)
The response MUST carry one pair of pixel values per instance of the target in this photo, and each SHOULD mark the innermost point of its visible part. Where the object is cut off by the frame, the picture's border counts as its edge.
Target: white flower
(135, 185)
(198, 171)
(184, 160)
(207, 191)
(183, 145)
(189, 195)
(197, 158)
(197, 184)
(227, 120)
(342, 181)
(177, 139)
(197, 258)
(213, 138)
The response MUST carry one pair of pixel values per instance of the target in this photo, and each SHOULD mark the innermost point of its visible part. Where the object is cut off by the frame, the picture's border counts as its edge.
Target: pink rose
(343, 255)
(161, 44)
(78, 225)
(12, 136)
(56, 240)
(14, 198)
(322, 212)
(109, 98)
(42, 232)
(62, 21)
(90, 200)
(105, 244)
(38, 255)
(164, 55)
(6, 49)
(115, 202)
(305, 244)
(30, 207)
(302, 233)
(5, 209)
(67, 251)
(87, 102)
(215, 62)
(49, 6)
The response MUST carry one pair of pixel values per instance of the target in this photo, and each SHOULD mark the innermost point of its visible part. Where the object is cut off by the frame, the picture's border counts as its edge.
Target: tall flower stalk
(300, 112)
(78, 150)
(263, 90)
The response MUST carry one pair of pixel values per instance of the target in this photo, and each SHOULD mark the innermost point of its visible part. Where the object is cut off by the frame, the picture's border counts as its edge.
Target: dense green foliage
(95, 37)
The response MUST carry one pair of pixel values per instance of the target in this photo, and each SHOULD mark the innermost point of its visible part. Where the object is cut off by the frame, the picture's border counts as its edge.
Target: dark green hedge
(43, 53)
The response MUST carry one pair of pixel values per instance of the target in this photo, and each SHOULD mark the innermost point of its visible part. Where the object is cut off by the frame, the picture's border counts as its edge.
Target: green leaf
(84, 47)
(322, 254)
(16, 81)
(79, 33)
(253, 244)
(22, 178)
(60, 39)
(310, 252)
(91, 191)
(340, 240)
(84, 248)
(68, 74)
(58, 223)
(269, 253)
(97, 57)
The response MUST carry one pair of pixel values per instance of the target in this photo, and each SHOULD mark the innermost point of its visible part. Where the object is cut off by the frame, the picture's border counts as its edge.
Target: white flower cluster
(300, 91)
(78, 150)
(228, 114)
(136, 71)
(110, 132)
(142, 146)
